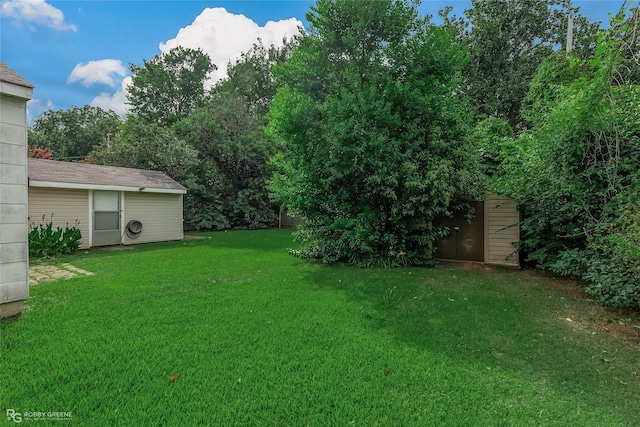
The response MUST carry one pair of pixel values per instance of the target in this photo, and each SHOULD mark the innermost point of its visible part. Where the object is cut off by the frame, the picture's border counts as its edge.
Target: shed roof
(51, 173)
(10, 76)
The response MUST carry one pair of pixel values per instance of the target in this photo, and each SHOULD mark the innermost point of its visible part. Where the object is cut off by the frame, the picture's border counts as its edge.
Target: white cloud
(221, 35)
(117, 101)
(225, 36)
(33, 103)
(36, 11)
(94, 72)
(35, 106)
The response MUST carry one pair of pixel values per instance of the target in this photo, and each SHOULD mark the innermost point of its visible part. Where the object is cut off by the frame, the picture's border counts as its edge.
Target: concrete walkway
(48, 273)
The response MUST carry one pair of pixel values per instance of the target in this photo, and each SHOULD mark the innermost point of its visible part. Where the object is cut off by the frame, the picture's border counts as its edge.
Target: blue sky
(78, 52)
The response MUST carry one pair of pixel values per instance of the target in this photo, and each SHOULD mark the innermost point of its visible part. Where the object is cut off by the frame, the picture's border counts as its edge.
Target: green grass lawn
(262, 338)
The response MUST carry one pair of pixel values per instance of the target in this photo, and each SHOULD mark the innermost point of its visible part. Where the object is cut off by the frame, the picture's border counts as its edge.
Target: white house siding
(501, 230)
(14, 256)
(160, 215)
(68, 206)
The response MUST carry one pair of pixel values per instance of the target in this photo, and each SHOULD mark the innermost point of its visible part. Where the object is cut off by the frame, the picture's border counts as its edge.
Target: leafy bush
(610, 264)
(35, 152)
(613, 273)
(496, 142)
(44, 241)
(360, 242)
(229, 197)
(572, 262)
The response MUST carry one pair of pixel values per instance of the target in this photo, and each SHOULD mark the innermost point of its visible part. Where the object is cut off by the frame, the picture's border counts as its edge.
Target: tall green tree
(234, 151)
(250, 76)
(144, 145)
(507, 40)
(376, 133)
(72, 134)
(170, 86)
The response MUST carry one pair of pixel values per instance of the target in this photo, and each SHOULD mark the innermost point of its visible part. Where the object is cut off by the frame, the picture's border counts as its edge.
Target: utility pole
(570, 32)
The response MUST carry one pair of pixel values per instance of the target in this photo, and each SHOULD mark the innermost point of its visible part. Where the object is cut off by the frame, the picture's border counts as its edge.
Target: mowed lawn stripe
(262, 338)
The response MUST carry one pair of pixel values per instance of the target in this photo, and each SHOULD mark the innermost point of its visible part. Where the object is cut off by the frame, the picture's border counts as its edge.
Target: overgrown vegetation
(261, 338)
(212, 141)
(45, 241)
(575, 173)
(610, 264)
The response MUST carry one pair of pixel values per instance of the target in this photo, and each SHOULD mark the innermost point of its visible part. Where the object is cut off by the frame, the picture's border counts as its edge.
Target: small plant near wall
(45, 241)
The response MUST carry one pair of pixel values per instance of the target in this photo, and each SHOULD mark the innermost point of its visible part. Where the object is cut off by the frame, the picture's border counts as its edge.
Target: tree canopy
(72, 134)
(227, 130)
(375, 131)
(212, 141)
(170, 86)
(250, 76)
(147, 145)
(234, 152)
(507, 40)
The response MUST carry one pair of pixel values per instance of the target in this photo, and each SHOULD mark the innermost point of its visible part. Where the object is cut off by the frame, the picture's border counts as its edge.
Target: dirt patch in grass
(115, 248)
(195, 237)
(623, 323)
(463, 265)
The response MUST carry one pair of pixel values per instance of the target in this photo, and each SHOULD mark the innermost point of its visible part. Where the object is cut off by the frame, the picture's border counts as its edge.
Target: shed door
(106, 218)
(465, 241)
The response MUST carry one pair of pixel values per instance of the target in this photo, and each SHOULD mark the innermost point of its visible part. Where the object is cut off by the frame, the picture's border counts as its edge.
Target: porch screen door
(106, 218)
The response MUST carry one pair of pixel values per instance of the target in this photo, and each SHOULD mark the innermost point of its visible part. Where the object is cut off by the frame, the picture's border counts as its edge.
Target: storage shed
(490, 237)
(15, 91)
(110, 205)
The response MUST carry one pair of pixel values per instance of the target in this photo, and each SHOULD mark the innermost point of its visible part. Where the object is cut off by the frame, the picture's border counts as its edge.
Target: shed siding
(14, 257)
(501, 230)
(289, 221)
(67, 206)
(160, 215)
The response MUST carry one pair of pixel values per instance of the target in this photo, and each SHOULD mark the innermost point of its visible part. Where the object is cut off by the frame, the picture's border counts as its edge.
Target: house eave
(77, 186)
(17, 91)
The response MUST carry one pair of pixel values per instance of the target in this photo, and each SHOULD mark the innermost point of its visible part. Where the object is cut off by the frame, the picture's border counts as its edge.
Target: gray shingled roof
(81, 173)
(10, 76)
